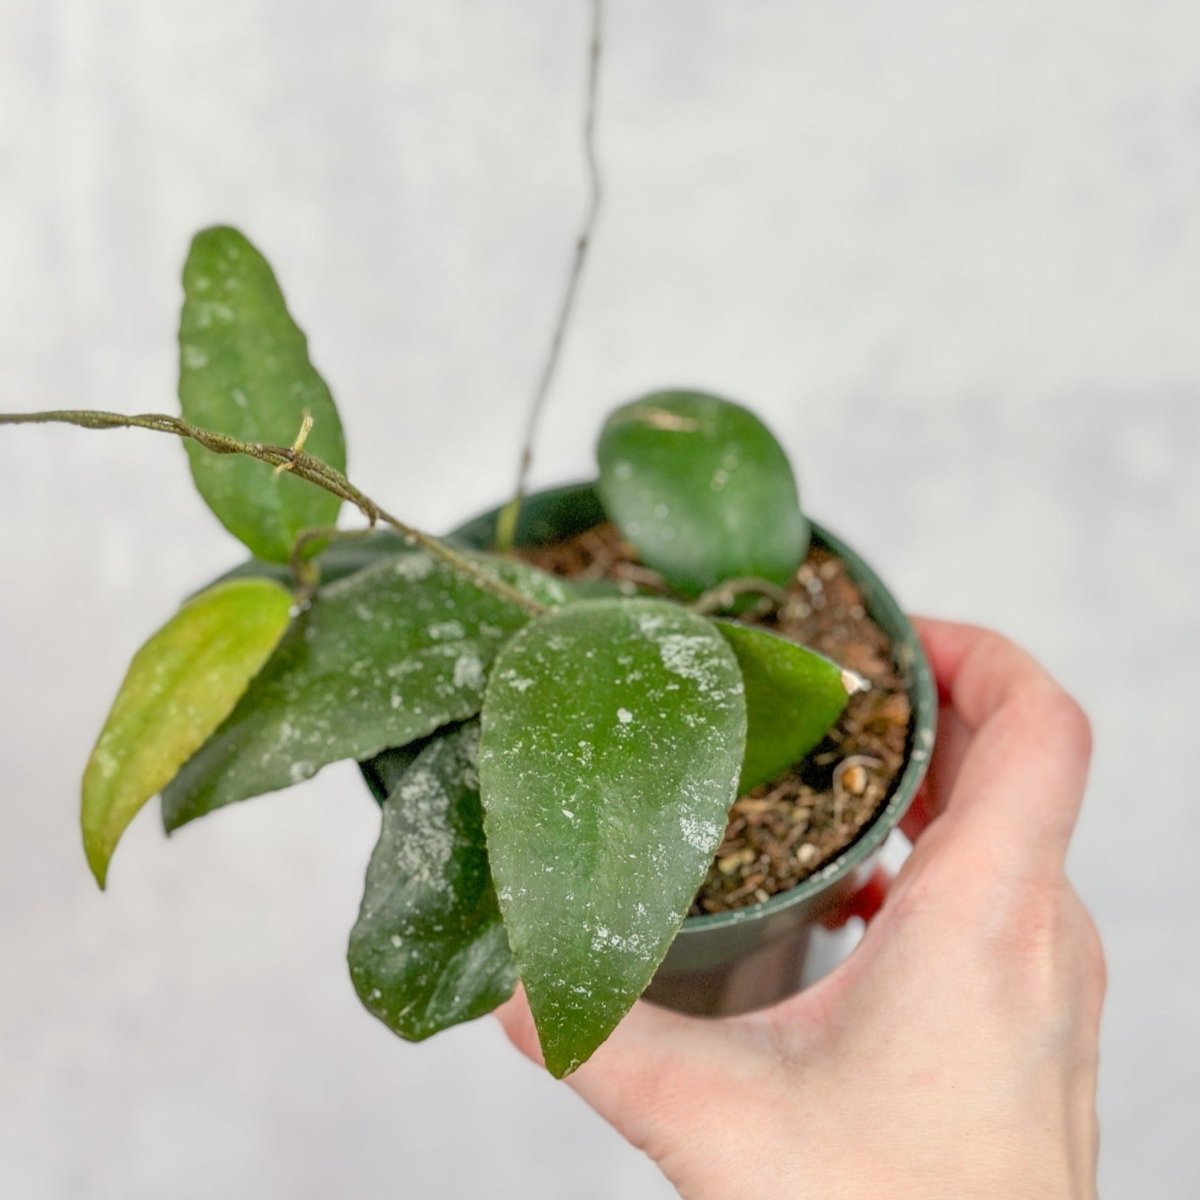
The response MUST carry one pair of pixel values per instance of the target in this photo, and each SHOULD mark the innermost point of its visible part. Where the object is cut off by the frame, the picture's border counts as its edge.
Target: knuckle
(994, 668)
(994, 647)
(1061, 950)
(1040, 924)
(1049, 708)
(1094, 959)
(1038, 698)
(1072, 723)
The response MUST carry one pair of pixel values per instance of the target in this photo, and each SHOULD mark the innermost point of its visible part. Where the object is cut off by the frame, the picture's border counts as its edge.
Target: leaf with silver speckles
(244, 370)
(429, 948)
(613, 733)
(381, 658)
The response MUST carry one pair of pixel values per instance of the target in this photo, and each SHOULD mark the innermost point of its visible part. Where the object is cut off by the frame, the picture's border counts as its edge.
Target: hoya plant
(561, 756)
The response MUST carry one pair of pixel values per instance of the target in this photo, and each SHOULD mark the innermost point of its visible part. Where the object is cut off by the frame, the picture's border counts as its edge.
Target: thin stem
(306, 571)
(724, 594)
(298, 463)
(506, 525)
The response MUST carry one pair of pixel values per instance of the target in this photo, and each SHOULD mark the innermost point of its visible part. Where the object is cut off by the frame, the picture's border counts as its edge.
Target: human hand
(954, 1053)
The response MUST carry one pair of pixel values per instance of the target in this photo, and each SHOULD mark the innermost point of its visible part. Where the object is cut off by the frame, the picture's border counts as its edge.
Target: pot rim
(922, 695)
(910, 654)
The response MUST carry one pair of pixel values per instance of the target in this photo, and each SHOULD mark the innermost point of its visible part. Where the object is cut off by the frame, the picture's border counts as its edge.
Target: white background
(950, 250)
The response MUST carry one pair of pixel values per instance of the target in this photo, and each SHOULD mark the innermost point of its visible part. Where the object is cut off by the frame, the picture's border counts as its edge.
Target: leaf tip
(217, 235)
(563, 1057)
(561, 1068)
(98, 842)
(174, 813)
(98, 858)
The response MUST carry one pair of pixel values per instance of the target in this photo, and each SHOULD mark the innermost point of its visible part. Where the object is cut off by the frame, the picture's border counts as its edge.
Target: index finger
(1014, 771)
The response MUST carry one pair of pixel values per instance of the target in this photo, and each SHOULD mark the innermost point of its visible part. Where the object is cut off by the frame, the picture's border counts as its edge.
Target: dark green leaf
(702, 490)
(613, 731)
(382, 771)
(342, 558)
(793, 696)
(180, 686)
(338, 559)
(546, 517)
(429, 949)
(245, 371)
(381, 658)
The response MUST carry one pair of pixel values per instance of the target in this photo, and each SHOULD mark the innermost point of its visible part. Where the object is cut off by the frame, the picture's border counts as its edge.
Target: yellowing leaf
(380, 659)
(180, 686)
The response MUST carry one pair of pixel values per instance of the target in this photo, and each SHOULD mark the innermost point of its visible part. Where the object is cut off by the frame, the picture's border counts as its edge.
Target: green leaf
(703, 491)
(381, 658)
(336, 560)
(180, 686)
(244, 370)
(546, 517)
(613, 731)
(429, 949)
(793, 696)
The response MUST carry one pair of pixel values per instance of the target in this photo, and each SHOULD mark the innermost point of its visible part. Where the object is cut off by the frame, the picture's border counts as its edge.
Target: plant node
(298, 445)
(303, 465)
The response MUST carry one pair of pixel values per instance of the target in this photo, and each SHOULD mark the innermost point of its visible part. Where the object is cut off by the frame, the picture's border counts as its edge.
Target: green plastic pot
(736, 961)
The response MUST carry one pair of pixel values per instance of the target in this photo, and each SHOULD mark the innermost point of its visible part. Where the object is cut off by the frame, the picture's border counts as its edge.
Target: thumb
(652, 1074)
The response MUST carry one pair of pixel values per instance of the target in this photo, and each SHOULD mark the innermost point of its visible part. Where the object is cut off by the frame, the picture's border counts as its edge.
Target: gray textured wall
(951, 251)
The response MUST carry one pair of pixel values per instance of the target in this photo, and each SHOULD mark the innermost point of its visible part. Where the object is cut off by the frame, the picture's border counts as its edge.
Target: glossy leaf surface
(793, 696)
(613, 734)
(702, 490)
(244, 370)
(180, 686)
(381, 658)
(429, 949)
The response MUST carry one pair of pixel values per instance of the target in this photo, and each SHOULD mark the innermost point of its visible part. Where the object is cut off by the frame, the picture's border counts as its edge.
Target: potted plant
(607, 763)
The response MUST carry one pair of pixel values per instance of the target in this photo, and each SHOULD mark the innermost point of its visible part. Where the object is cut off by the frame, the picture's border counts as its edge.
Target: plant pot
(751, 957)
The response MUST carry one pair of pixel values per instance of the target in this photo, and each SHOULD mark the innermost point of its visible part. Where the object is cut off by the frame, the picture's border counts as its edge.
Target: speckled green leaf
(429, 949)
(244, 370)
(180, 686)
(381, 658)
(702, 489)
(793, 696)
(613, 732)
